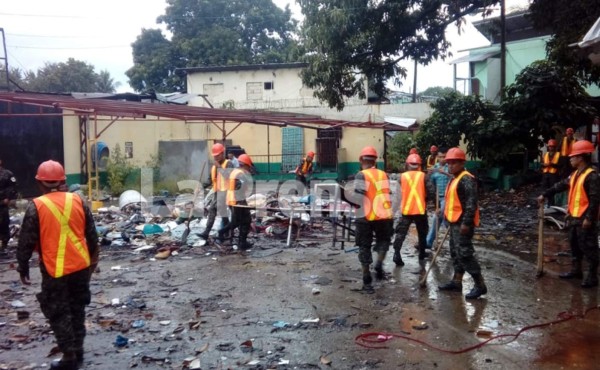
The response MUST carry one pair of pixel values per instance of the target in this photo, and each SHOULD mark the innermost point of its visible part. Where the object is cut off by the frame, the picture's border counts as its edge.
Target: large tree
(349, 41)
(211, 32)
(569, 21)
(70, 76)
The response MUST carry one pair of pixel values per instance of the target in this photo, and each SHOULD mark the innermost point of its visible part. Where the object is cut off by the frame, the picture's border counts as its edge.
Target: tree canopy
(349, 41)
(70, 76)
(569, 21)
(211, 32)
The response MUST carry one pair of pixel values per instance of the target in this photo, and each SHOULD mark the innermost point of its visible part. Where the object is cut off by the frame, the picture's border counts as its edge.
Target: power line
(69, 48)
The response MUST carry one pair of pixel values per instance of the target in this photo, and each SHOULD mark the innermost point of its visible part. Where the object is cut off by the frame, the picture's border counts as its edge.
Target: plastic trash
(132, 197)
(121, 341)
(280, 324)
(138, 324)
(152, 229)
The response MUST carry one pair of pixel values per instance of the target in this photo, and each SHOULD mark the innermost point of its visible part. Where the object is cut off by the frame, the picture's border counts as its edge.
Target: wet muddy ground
(300, 307)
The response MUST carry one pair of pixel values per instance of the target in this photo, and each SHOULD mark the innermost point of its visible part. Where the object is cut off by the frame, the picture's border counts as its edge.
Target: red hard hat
(414, 159)
(368, 151)
(245, 159)
(433, 148)
(413, 151)
(569, 131)
(217, 149)
(50, 171)
(552, 142)
(456, 153)
(581, 147)
(310, 154)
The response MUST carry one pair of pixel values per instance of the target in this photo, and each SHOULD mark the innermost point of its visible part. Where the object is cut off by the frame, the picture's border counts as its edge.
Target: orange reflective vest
(231, 198)
(377, 204)
(219, 181)
(547, 161)
(431, 161)
(412, 184)
(578, 199)
(304, 168)
(62, 244)
(453, 209)
(565, 146)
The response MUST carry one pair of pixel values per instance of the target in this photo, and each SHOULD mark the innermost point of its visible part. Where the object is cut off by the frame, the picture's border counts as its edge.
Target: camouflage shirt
(30, 236)
(591, 187)
(467, 194)
(8, 184)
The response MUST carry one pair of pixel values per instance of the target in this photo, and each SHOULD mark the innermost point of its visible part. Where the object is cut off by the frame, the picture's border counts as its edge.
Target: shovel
(423, 280)
(186, 232)
(540, 252)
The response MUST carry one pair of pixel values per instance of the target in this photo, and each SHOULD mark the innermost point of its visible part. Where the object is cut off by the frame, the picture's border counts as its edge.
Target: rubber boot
(243, 243)
(397, 258)
(479, 289)
(454, 285)
(367, 279)
(379, 274)
(575, 272)
(591, 280)
(67, 362)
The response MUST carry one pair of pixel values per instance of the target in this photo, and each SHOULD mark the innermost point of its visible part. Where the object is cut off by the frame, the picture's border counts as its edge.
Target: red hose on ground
(369, 340)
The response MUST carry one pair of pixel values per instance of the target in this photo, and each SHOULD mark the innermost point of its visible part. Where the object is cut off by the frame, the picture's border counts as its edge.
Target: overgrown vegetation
(397, 150)
(118, 168)
(539, 105)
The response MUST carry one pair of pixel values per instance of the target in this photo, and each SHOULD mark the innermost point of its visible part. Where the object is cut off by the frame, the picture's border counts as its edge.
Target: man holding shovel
(462, 213)
(582, 218)
(439, 177)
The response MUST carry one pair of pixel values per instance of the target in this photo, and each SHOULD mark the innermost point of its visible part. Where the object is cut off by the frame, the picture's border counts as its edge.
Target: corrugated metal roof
(118, 108)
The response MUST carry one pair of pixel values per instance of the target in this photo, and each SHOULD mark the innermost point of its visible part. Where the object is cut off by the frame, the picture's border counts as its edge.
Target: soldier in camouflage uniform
(60, 227)
(8, 192)
(462, 214)
(375, 216)
(582, 219)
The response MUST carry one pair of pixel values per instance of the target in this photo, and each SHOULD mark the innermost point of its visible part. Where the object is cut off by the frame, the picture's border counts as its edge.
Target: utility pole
(414, 99)
(4, 62)
(502, 47)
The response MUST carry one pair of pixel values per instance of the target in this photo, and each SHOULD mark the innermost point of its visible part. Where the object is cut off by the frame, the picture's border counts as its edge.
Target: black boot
(367, 279)
(454, 285)
(397, 258)
(379, 275)
(575, 272)
(67, 362)
(479, 289)
(591, 280)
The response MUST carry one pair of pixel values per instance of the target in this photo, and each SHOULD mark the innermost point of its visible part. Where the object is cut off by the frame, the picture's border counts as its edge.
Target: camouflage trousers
(584, 243)
(402, 229)
(241, 219)
(364, 238)
(4, 226)
(63, 302)
(462, 251)
(219, 206)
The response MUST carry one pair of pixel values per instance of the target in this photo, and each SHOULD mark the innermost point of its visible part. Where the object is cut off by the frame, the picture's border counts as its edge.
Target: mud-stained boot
(575, 272)
(454, 285)
(397, 258)
(479, 289)
(591, 280)
(379, 273)
(367, 279)
(67, 362)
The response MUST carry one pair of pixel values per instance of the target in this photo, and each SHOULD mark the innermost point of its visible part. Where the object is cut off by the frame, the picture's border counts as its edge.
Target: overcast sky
(101, 33)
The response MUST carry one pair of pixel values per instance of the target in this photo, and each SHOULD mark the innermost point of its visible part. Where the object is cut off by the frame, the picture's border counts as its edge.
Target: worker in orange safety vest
(550, 168)
(582, 218)
(239, 188)
(60, 227)
(462, 213)
(219, 175)
(302, 171)
(413, 206)
(373, 217)
(432, 158)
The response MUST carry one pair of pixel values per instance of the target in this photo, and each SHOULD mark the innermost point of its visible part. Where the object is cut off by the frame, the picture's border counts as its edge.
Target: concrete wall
(234, 86)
